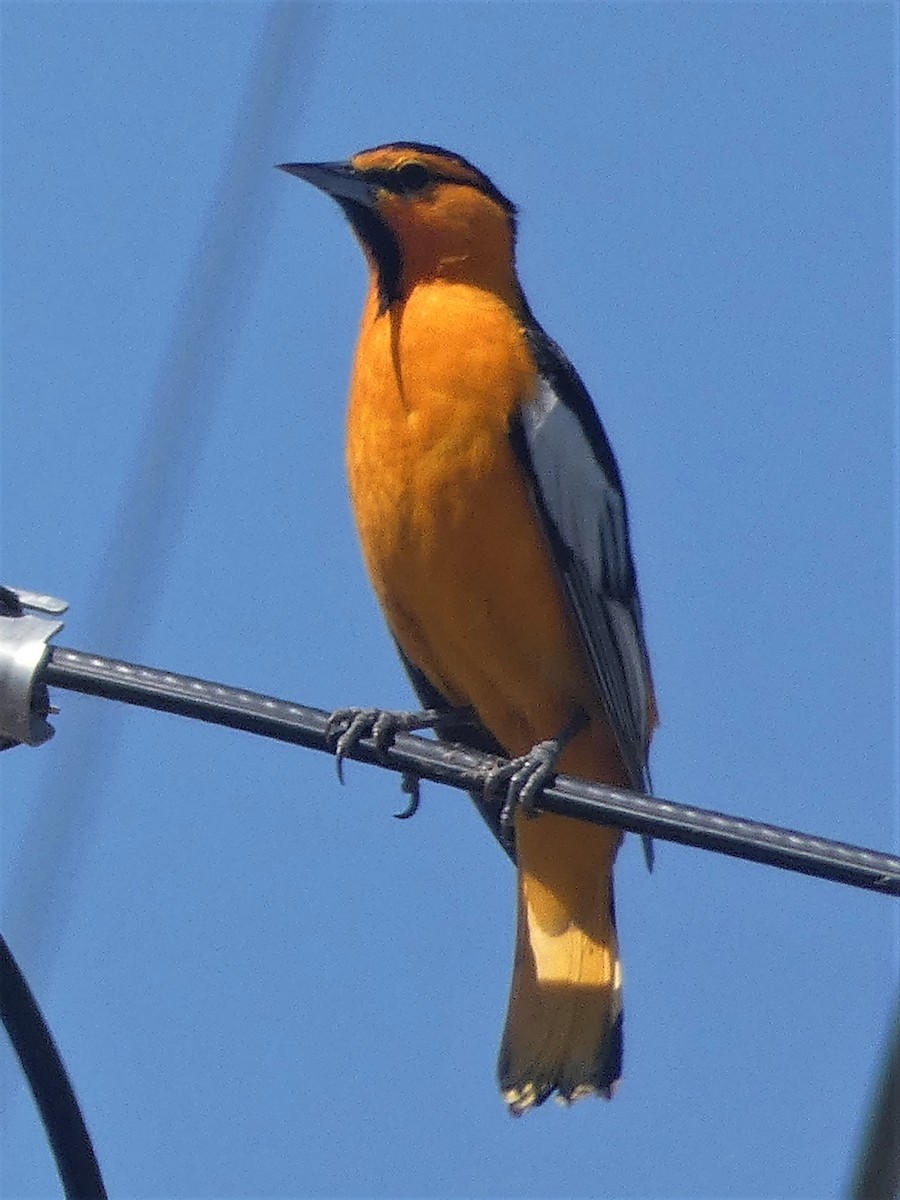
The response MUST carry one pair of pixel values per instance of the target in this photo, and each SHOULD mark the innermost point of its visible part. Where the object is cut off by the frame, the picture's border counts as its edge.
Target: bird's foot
(525, 777)
(346, 727)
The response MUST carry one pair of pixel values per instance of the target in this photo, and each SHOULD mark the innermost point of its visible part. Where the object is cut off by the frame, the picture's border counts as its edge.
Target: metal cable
(877, 1172)
(465, 769)
(53, 1094)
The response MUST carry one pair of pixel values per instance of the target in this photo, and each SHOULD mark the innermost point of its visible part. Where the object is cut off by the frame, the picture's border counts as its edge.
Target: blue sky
(262, 985)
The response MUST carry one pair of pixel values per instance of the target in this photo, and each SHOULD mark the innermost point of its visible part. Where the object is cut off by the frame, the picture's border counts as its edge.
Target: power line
(48, 1079)
(877, 1173)
(459, 767)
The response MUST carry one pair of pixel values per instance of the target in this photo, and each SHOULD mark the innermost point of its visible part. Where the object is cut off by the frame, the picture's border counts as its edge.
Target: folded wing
(563, 448)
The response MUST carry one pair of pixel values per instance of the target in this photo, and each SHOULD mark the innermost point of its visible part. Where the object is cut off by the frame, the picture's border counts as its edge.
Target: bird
(494, 527)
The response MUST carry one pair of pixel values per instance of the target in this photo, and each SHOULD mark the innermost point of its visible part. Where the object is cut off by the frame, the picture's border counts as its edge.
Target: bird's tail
(564, 1025)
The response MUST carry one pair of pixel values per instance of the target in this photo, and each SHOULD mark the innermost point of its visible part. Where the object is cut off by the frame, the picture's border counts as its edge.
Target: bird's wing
(562, 446)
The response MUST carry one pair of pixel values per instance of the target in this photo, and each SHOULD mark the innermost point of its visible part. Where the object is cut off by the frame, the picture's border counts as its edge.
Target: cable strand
(459, 767)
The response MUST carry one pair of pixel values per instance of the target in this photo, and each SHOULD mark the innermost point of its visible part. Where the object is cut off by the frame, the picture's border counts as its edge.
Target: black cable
(877, 1174)
(49, 1083)
(462, 768)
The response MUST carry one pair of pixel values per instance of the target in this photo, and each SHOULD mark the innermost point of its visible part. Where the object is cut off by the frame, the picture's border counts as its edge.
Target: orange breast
(448, 527)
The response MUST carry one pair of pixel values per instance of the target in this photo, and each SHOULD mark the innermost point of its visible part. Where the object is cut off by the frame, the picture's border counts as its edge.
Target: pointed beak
(338, 179)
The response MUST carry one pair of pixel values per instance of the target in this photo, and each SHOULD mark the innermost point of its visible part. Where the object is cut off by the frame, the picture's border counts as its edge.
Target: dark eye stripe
(412, 177)
(409, 179)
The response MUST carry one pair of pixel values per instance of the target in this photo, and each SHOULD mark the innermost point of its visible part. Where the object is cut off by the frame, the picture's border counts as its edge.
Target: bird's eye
(411, 177)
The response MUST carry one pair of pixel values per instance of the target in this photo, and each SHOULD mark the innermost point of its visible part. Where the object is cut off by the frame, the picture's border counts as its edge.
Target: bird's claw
(524, 779)
(411, 786)
(347, 726)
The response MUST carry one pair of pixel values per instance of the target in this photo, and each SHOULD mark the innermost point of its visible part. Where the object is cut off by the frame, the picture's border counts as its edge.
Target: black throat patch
(382, 245)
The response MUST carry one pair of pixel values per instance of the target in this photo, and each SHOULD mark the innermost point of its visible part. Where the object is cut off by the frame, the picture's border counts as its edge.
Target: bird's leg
(346, 727)
(525, 776)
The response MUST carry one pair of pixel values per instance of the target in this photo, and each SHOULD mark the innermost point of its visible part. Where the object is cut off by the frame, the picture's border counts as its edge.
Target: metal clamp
(24, 700)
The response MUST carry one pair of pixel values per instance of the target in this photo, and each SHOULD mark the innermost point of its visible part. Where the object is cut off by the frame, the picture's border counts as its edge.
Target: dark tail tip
(600, 1079)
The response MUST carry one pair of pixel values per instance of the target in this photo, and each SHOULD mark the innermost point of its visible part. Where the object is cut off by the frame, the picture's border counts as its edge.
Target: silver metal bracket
(24, 701)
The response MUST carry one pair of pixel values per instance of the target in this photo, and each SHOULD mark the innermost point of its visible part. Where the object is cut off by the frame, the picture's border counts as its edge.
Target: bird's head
(422, 213)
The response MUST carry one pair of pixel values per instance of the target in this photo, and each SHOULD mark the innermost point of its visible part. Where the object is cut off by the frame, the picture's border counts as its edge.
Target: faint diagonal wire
(181, 415)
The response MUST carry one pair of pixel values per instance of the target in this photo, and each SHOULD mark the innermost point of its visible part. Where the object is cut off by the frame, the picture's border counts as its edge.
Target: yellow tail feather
(564, 1025)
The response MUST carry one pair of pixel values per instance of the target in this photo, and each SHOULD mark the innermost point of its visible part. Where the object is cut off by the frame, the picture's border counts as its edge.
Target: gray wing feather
(582, 505)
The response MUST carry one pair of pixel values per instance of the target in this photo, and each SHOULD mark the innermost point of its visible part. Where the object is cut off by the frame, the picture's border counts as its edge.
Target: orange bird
(494, 528)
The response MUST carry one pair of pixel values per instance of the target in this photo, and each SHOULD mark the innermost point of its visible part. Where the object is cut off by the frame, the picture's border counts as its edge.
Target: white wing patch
(576, 495)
